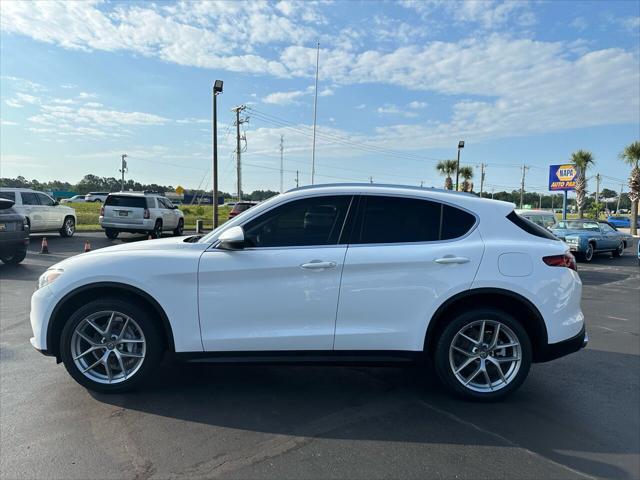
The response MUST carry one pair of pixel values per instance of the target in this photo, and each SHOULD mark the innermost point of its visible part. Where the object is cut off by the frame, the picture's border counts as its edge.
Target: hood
(171, 243)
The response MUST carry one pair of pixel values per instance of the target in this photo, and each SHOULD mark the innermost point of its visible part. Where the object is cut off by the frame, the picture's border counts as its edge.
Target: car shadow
(406, 405)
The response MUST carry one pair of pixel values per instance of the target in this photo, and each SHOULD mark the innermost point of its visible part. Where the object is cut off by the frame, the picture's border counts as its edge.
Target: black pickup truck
(14, 233)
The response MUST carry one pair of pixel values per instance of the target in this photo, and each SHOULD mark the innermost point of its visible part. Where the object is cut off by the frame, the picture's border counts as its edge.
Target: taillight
(566, 260)
(146, 213)
(102, 211)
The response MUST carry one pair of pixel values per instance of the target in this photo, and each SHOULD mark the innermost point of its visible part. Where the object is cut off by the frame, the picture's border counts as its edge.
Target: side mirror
(232, 239)
(56, 203)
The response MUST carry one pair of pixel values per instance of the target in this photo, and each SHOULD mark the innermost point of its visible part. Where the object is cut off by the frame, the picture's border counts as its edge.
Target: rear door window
(29, 198)
(126, 201)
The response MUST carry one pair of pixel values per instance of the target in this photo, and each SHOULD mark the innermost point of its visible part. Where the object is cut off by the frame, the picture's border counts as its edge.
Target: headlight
(48, 277)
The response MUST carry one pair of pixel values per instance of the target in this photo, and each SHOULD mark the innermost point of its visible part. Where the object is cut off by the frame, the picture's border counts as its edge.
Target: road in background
(576, 417)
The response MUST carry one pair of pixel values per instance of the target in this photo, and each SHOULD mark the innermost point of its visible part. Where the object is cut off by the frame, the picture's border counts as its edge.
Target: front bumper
(566, 347)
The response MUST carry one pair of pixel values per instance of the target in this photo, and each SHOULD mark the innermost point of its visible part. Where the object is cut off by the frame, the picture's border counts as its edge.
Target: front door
(37, 215)
(280, 292)
(53, 216)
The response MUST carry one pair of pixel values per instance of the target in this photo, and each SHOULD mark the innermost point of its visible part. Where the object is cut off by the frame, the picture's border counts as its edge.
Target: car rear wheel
(68, 227)
(111, 233)
(110, 345)
(180, 228)
(483, 355)
(618, 252)
(15, 257)
(157, 230)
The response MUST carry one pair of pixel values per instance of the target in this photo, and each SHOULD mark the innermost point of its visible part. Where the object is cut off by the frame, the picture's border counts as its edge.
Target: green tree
(447, 168)
(466, 173)
(581, 159)
(631, 155)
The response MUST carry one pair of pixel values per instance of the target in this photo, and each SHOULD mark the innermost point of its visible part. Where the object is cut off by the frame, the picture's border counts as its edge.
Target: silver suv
(140, 212)
(43, 213)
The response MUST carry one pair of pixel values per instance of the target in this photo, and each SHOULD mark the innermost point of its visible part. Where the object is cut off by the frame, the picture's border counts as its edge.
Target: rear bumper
(566, 347)
(141, 226)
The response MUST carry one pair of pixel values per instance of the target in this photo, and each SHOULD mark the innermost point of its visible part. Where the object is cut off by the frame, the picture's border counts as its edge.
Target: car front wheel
(483, 355)
(587, 256)
(68, 227)
(110, 345)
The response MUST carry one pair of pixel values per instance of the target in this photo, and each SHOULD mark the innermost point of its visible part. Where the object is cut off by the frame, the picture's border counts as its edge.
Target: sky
(400, 83)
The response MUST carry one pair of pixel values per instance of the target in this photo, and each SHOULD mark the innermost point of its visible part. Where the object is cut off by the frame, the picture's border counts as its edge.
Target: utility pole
(540, 202)
(217, 89)
(492, 190)
(281, 163)
(239, 121)
(481, 178)
(619, 197)
(597, 195)
(370, 179)
(524, 170)
(422, 184)
(297, 178)
(123, 168)
(315, 112)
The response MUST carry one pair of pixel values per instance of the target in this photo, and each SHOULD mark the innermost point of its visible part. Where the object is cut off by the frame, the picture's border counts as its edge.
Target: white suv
(43, 213)
(339, 273)
(136, 212)
(99, 197)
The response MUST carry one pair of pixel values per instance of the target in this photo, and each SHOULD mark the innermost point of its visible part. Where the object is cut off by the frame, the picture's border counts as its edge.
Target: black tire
(157, 230)
(588, 254)
(180, 228)
(68, 227)
(445, 370)
(618, 252)
(111, 233)
(153, 345)
(14, 258)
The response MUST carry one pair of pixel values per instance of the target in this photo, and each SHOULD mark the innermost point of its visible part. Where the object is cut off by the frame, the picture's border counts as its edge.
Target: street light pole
(460, 147)
(217, 89)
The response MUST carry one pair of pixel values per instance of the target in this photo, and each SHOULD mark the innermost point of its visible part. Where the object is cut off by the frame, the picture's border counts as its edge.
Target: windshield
(578, 225)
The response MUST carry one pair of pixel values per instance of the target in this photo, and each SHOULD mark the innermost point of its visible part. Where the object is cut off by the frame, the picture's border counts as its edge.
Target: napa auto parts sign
(562, 177)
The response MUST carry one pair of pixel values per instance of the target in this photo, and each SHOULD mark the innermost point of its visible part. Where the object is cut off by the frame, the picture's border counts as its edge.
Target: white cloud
(416, 105)
(86, 95)
(8, 122)
(93, 105)
(191, 120)
(283, 98)
(391, 109)
(579, 23)
(13, 103)
(64, 101)
(68, 85)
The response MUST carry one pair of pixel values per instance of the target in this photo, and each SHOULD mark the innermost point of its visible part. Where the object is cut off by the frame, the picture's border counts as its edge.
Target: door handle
(317, 265)
(449, 260)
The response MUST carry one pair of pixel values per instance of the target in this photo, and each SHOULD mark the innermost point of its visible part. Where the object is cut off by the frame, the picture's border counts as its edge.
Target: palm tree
(448, 168)
(631, 155)
(467, 174)
(581, 159)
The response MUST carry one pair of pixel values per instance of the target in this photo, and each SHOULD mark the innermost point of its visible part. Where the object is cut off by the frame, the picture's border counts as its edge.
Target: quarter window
(306, 222)
(8, 195)
(455, 222)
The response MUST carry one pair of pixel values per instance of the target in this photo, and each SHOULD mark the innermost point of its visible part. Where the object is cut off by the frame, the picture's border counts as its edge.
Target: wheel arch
(86, 293)
(506, 300)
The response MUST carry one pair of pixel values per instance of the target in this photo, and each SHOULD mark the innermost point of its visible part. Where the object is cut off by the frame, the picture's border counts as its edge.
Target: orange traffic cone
(45, 246)
(149, 237)
(87, 246)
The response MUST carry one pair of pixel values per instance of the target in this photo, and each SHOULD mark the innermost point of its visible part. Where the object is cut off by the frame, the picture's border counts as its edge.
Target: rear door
(32, 209)
(169, 221)
(125, 209)
(406, 255)
(612, 238)
(53, 216)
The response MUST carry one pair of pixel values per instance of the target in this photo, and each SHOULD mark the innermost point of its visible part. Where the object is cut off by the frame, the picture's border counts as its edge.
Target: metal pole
(564, 206)
(315, 112)
(481, 178)
(238, 169)
(215, 160)
(619, 197)
(281, 163)
(458, 169)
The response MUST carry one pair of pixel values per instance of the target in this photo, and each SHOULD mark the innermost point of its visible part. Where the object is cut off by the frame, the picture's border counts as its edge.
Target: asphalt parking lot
(576, 417)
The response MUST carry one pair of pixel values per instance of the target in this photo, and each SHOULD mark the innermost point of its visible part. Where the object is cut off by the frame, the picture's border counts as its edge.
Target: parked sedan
(14, 233)
(622, 222)
(588, 237)
(74, 199)
(626, 237)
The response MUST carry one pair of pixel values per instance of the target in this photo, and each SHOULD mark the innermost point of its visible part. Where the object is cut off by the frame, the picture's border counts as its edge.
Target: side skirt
(315, 357)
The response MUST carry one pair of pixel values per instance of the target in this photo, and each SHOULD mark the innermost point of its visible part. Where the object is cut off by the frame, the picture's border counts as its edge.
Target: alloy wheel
(588, 253)
(108, 347)
(485, 356)
(69, 226)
